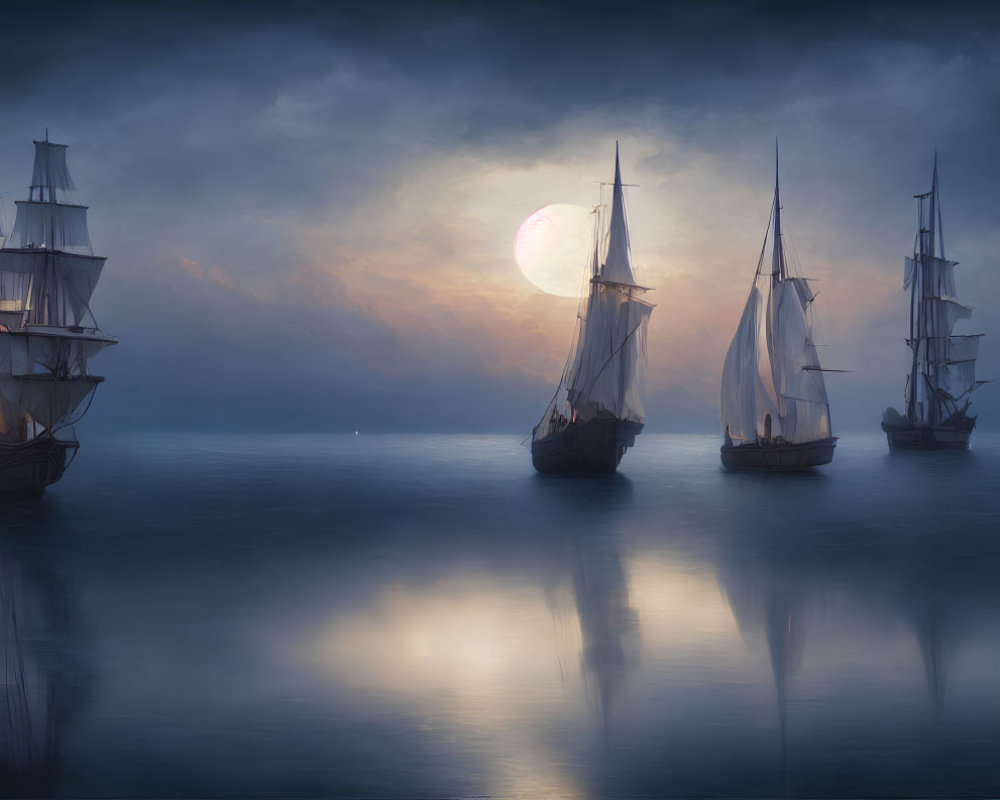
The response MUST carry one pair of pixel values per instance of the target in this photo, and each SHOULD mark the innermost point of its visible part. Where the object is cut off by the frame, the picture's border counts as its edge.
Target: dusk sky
(310, 209)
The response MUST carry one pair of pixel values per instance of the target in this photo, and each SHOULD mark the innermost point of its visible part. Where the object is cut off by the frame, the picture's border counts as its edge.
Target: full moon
(553, 248)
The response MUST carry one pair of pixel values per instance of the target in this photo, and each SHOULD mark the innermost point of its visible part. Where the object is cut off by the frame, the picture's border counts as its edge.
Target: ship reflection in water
(45, 674)
(468, 628)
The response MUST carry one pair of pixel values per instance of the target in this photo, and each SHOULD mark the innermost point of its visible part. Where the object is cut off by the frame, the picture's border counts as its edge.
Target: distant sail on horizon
(48, 334)
(943, 368)
(596, 412)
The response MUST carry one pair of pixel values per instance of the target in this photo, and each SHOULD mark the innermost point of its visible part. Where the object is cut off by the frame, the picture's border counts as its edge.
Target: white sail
(804, 408)
(611, 352)
(53, 288)
(50, 171)
(605, 372)
(964, 348)
(30, 352)
(618, 262)
(740, 375)
(50, 226)
(50, 401)
(611, 348)
(772, 381)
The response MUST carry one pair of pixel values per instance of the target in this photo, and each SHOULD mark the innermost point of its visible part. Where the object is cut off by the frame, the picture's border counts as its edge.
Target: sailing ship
(943, 371)
(47, 332)
(596, 412)
(774, 406)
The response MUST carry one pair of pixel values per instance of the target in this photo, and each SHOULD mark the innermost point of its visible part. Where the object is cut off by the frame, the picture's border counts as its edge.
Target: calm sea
(424, 616)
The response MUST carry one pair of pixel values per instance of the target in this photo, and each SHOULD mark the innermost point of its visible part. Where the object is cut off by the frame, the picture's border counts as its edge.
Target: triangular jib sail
(772, 381)
(604, 374)
(47, 332)
(943, 369)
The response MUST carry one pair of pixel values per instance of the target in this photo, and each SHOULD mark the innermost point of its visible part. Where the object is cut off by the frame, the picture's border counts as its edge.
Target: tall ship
(774, 407)
(596, 412)
(48, 334)
(943, 369)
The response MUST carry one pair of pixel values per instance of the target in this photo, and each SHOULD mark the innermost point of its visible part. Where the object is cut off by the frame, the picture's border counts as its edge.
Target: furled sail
(47, 331)
(604, 373)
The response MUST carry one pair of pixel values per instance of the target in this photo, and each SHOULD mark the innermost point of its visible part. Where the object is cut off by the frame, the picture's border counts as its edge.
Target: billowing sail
(777, 395)
(803, 406)
(604, 374)
(745, 401)
(611, 348)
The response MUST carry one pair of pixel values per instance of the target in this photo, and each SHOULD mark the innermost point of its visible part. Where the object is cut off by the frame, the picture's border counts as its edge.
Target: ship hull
(947, 436)
(778, 457)
(596, 446)
(28, 467)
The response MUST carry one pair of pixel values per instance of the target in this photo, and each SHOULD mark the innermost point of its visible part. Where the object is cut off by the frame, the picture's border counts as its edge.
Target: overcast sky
(310, 211)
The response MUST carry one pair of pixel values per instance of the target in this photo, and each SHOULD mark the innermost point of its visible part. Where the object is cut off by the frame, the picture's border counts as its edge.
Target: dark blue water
(423, 616)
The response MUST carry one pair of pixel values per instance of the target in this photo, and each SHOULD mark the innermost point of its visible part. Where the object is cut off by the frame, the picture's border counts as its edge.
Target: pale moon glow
(553, 248)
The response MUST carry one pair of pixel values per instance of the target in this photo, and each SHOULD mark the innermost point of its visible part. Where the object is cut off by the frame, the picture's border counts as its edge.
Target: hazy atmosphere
(310, 212)
(342, 522)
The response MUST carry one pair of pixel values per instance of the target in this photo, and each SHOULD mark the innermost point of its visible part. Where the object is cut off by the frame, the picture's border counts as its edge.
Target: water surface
(424, 616)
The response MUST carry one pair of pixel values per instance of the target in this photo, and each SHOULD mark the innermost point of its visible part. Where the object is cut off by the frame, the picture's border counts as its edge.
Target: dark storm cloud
(561, 55)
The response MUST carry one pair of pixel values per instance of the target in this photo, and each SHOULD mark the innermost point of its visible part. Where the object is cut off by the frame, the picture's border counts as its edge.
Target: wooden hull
(596, 446)
(951, 435)
(778, 457)
(28, 467)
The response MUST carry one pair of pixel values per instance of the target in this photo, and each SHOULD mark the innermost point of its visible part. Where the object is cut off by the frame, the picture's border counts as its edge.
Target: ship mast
(779, 271)
(923, 324)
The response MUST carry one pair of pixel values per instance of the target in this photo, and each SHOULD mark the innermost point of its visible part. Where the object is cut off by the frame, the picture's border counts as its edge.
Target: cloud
(309, 214)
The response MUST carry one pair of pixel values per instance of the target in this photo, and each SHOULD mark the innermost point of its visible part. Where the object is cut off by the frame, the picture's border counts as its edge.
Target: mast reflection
(771, 602)
(44, 681)
(608, 622)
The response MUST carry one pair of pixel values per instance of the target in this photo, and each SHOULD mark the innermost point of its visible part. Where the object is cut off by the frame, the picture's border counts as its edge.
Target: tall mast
(931, 287)
(924, 325)
(778, 271)
(928, 231)
(617, 205)
(618, 213)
